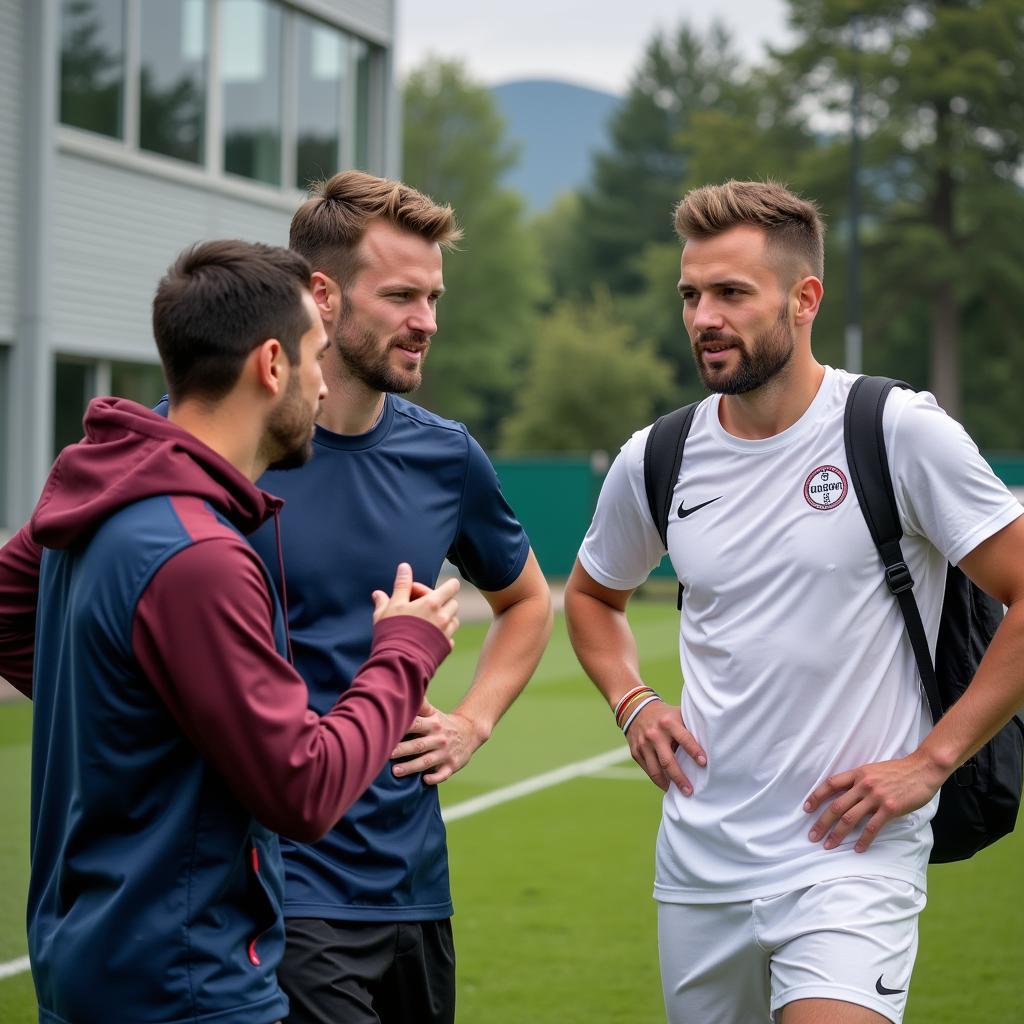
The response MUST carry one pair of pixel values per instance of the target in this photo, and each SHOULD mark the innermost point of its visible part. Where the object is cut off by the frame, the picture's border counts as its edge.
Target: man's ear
(269, 361)
(808, 294)
(326, 294)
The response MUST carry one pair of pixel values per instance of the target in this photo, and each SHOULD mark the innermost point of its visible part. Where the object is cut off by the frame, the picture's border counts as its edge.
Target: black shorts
(357, 972)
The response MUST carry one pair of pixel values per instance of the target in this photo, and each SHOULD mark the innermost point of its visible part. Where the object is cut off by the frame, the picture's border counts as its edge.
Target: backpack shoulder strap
(872, 482)
(663, 457)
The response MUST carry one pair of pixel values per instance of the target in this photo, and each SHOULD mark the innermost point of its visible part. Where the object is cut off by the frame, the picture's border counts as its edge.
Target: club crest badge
(825, 488)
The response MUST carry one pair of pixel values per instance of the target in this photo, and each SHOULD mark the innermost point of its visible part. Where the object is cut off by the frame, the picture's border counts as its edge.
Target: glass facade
(327, 111)
(322, 64)
(92, 65)
(72, 389)
(76, 381)
(363, 56)
(172, 77)
(141, 382)
(250, 62)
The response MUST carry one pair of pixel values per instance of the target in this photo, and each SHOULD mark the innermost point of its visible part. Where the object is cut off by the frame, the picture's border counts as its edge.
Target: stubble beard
(769, 355)
(368, 360)
(289, 435)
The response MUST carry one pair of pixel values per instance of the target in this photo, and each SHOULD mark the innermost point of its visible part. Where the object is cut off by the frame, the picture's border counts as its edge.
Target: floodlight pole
(853, 336)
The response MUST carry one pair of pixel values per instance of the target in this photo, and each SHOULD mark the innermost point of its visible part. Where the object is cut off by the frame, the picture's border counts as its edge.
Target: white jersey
(793, 650)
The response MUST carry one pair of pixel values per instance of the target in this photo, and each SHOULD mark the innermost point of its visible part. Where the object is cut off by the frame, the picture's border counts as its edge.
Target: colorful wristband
(638, 709)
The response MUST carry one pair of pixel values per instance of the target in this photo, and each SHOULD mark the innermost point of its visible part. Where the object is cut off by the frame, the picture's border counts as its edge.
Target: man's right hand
(438, 607)
(655, 735)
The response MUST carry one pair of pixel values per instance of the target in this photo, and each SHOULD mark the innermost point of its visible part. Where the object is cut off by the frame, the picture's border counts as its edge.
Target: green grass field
(554, 918)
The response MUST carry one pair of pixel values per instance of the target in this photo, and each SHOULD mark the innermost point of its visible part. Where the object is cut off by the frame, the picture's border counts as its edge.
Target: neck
(226, 429)
(777, 405)
(351, 407)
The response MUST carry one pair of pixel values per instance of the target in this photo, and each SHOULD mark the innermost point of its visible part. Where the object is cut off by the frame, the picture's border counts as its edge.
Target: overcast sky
(591, 42)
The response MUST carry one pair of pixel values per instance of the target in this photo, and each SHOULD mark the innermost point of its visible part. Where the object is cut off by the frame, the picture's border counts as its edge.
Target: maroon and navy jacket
(171, 737)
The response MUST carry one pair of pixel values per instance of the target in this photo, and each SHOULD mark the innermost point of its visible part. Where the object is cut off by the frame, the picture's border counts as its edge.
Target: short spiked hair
(794, 231)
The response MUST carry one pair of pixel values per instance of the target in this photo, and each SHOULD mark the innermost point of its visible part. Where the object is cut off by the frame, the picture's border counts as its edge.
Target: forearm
(510, 654)
(995, 694)
(604, 644)
(19, 590)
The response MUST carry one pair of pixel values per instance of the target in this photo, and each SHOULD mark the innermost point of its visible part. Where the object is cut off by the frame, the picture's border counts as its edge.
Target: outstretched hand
(438, 607)
(440, 744)
(655, 735)
(873, 794)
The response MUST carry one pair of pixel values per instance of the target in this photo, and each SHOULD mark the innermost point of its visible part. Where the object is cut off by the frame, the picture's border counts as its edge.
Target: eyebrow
(729, 282)
(386, 289)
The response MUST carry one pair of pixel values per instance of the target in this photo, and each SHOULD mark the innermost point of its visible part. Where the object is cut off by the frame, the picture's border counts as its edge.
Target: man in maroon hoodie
(171, 736)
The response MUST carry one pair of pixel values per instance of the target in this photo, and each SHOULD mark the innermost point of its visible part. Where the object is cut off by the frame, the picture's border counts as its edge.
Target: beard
(368, 358)
(289, 433)
(764, 359)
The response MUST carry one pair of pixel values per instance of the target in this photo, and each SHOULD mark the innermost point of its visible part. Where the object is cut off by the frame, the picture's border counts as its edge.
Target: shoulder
(416, 417)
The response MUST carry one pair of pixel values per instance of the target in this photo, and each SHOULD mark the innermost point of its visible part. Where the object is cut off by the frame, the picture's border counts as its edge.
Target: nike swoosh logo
(684, 512)
(883, 991)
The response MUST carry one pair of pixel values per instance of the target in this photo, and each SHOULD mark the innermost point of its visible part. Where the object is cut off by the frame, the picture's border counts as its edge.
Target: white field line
(533, 785)
(463, 810)
(13, 967)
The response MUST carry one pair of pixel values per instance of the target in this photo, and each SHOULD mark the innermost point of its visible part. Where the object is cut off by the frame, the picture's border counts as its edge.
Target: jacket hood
(130, 453)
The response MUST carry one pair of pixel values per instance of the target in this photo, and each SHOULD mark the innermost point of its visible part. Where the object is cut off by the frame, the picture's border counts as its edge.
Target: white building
(132, 128)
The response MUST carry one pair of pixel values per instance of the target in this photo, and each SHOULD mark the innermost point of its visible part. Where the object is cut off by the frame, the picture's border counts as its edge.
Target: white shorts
(849, 939)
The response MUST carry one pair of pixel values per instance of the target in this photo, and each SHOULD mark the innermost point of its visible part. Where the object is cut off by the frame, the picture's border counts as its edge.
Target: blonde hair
(328, 227)
(794, 231)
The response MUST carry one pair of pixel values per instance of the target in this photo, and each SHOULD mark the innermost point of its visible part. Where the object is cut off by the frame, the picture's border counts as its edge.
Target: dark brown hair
(794, 231)
(216, 303)
(329, 226)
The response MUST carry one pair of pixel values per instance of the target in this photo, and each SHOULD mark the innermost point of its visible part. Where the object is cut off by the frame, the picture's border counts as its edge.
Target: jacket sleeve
(19, 590)
(203, 634)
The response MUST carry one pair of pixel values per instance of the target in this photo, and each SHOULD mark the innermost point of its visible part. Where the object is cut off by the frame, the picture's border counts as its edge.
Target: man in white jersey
(801, 770)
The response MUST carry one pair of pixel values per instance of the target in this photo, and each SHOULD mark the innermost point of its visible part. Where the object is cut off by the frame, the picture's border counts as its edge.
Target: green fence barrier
(554, 497)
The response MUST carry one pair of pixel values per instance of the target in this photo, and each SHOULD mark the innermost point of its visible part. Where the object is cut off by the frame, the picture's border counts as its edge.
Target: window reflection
(250, 56)
(92, 65)
(321, 65)
(363, 56)
(173, 78)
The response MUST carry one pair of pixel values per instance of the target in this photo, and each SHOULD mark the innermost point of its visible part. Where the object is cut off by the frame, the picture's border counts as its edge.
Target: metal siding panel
(11, 34)
(374, 19)
(116, 230)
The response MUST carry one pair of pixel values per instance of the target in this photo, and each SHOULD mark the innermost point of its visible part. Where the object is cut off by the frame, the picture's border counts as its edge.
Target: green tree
(943, 113)
(455, 150)
(628, 204)
(590, 383)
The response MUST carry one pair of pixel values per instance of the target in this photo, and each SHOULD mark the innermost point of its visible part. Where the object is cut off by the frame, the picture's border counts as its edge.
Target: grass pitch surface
(554, 919)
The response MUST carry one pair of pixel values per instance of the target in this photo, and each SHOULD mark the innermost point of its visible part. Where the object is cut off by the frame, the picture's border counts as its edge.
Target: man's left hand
(873, 794)
(439, 744)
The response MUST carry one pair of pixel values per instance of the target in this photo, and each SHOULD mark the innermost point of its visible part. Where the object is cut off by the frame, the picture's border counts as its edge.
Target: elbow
(299, 828)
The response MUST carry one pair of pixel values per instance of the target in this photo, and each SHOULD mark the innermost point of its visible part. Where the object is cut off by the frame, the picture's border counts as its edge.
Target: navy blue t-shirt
(416, 488)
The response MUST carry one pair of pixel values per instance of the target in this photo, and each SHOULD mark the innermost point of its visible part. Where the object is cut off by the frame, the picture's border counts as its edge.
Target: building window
(250, 61)
(73, 386)
(172, 78)
(141, 382)
(92, 65)
(298, 97)
(363, 56)
(322, 63)
(77, 381)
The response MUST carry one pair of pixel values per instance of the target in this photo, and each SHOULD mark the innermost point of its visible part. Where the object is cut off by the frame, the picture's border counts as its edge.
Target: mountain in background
(557, 126)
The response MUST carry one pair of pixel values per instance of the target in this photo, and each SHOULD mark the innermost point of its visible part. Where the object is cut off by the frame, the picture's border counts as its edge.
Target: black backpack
(979, 801)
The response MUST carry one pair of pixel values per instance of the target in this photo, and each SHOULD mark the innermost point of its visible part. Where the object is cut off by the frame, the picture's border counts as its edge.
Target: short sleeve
(491, 546)
(622, 545)
(945, 489)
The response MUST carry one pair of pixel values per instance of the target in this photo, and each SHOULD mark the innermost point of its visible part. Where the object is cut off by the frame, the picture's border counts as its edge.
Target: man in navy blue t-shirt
(368, 907)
